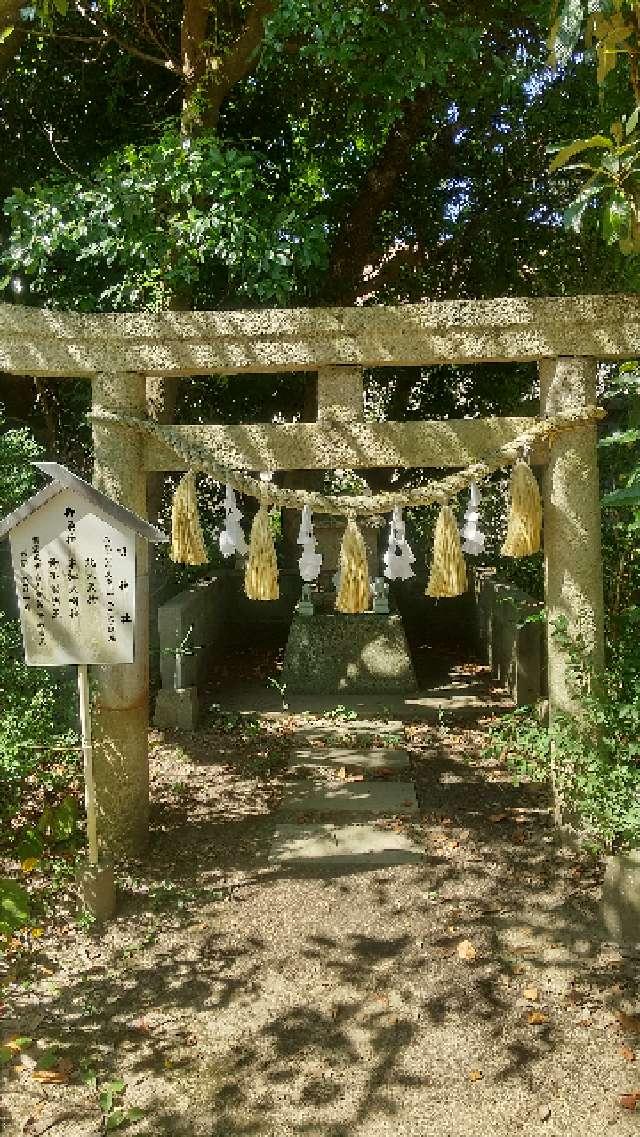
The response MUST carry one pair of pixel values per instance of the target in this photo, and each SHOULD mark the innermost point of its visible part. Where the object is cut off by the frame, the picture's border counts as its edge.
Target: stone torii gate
(566, 336)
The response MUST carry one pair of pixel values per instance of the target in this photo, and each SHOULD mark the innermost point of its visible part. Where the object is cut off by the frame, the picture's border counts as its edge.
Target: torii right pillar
(571, 503)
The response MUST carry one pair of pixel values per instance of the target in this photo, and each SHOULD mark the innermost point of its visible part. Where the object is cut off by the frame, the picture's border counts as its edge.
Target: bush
(37, 717)
(594, 756)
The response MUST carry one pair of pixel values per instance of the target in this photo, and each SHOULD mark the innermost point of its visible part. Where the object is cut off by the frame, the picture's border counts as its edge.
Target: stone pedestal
(96, 889)
(621, 897)
(334, 652)
(176, 708)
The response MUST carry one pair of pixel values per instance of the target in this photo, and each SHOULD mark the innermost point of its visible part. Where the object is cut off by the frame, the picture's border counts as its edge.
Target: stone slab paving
(381, 798)
(334, 846)
(320, 728)
(337, 756)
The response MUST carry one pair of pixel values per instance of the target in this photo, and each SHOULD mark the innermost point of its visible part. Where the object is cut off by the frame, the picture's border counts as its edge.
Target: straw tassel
(353, 592)
(448, 575)
(525, 514)
(261, 571)
(187, 543)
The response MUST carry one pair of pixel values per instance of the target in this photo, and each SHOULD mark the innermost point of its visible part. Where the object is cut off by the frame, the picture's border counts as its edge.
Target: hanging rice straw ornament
(231, 539)
(448, 575)
(353, 591)
(261, 570)
(187, 543)
(525, 513)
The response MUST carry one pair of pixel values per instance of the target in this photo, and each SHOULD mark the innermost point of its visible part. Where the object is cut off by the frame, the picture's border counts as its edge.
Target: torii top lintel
(43, 342)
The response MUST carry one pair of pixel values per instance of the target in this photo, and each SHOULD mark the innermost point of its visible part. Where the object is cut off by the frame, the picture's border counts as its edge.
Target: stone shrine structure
(567, 336)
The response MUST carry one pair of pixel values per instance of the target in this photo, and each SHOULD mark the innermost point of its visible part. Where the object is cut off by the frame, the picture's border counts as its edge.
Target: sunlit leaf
(596, 142)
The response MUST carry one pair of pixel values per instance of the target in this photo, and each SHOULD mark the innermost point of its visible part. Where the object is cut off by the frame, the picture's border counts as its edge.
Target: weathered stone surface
(340, 394)
(332, 846)
(345, 445)
(192, 621)
(339, 652)
(176, 708)
(571, 499)
(621, 897)
(508, 639)
(382, 798)
(339, 756)
(42, 342)
(121, 693)
(96, 889)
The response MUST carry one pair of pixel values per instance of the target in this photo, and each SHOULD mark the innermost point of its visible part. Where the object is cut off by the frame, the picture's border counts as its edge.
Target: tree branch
(389, 268)
(106, 35)
(224, 74)
(352, 249)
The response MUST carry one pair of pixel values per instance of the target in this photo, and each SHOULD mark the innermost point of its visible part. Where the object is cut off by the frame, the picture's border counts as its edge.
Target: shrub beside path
(236, 994)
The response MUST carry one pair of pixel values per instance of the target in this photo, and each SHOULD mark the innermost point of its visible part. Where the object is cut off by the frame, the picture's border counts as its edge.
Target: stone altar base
(335, 652)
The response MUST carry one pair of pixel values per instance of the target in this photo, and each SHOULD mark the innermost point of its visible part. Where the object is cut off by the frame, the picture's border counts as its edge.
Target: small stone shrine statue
(305, 604)
(380, 591)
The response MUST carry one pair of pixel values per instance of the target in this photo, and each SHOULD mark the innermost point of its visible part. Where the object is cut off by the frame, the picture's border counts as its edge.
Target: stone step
(320, 728)
(334, 846)
(337, 756)
(382, 798)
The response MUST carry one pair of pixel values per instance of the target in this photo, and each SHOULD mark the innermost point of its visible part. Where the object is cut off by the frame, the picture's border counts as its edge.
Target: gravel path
(237, 999)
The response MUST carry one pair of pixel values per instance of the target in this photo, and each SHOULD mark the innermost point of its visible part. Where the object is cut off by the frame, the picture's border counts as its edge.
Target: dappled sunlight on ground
(235, 997)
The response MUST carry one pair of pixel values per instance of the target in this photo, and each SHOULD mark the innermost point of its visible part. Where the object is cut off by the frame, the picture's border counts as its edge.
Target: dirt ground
(230, 998)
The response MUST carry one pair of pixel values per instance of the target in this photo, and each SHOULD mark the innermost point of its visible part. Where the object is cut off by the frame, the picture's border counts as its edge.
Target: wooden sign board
(75, 576)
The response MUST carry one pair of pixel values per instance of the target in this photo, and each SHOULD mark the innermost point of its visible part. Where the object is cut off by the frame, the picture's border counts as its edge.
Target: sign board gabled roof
(62, 478)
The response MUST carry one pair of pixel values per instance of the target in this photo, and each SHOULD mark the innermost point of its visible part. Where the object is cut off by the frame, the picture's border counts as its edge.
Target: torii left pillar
(121, 693)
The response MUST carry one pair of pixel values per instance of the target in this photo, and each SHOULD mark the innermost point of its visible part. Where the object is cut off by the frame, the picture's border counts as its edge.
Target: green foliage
(17, 476)
(611, 32)
(614, 168)
(593, 756)
(37, 717)
(15, 909)
(154, 222)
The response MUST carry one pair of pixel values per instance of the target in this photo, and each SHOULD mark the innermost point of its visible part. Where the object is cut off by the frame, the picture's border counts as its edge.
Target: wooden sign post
(74, 562)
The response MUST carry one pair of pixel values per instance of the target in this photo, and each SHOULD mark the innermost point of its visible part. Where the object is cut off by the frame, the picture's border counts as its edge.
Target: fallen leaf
(29, 864)
(629, 1023)
(140, 1025)
(475, 1075)
(531, 994)
(629, 1101)
(58, 1075)
(18, 1044)
(627, 1053)
(466, 951)
(537, 1018)
(495, 818)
